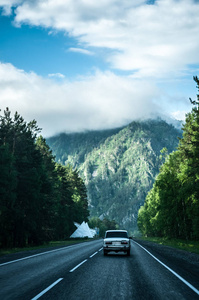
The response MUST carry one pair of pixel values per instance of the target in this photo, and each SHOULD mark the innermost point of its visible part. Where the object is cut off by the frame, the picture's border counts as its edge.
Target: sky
(88, 65)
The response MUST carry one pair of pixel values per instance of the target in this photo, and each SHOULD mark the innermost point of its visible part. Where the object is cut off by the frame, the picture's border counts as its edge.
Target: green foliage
(171, 208)
(103, 225)
(73, 205)
(118, 166)
(38, 198)
(73, 148)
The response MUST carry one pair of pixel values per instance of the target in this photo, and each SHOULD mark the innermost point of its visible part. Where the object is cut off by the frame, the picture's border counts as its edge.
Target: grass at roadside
(47, 245)
(191, 246)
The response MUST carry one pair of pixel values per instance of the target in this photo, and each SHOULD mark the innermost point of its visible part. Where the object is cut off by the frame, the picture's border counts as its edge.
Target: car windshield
(113, 234)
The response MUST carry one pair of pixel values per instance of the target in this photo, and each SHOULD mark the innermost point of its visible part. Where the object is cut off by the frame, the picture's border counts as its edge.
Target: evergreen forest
(171, 207)
(39, 198)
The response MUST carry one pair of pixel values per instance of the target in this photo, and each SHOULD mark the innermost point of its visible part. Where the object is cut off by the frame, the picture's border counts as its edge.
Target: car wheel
(128, 252)
(105, 252)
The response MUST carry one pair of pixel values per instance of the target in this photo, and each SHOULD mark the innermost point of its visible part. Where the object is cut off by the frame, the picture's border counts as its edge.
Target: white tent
(83, 230)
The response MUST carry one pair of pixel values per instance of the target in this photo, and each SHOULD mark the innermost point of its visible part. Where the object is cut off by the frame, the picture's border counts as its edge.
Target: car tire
(105, 253)
(128, 252)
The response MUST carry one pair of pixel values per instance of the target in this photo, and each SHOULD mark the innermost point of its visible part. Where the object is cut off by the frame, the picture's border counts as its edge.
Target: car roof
(116, 231)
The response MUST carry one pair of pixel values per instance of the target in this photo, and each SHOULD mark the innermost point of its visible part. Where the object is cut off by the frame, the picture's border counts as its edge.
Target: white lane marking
(93, 254)
(78, 265)
(173, 272)
(84, 261)
(47, 289)
(27, 257)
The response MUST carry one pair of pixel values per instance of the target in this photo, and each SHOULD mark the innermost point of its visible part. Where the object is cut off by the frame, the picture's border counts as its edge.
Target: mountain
(118, 166)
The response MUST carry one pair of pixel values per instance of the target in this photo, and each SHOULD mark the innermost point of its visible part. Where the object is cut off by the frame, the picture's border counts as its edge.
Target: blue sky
(78, 65)
(34, 49)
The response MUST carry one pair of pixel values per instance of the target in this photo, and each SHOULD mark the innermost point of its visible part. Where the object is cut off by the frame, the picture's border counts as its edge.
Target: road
(82, 272)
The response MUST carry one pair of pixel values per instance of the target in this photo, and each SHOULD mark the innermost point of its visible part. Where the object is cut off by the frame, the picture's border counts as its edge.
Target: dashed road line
(56, 282)
(78, 265)
(85, 261)
(93, 254)
(47, 289)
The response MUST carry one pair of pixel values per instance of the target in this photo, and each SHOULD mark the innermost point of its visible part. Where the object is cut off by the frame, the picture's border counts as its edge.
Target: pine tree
(171, 208)
(65, 205)
(8, 183)
(189, 148)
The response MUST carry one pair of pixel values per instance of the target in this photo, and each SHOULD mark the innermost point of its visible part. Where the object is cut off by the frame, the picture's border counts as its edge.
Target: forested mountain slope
(118, 166)
(72, 148)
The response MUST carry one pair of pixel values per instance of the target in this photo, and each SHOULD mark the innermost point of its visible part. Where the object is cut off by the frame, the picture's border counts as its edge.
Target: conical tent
(76, 224)
(83, 230)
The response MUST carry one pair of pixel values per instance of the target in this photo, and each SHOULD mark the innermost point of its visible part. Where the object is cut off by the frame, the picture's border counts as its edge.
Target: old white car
(117, 241)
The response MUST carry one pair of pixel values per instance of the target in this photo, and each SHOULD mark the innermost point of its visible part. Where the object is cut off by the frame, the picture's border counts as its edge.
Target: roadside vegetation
(190, 246)
(39, 198)
(171, 209)
(101, 225)
(51, 244)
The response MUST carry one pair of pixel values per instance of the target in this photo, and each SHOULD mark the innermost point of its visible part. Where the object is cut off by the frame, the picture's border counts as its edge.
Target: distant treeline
(171, 207)
(39, 199)
(102, 225)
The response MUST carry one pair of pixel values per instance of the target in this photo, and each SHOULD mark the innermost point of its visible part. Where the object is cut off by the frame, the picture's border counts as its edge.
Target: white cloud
(56, 75)
(8, 4)
(80, 50)
(151, 40)
(101, 101)
(179, 115)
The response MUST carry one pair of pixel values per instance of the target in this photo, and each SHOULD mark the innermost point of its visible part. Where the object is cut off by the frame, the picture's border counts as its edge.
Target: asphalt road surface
(82, 272)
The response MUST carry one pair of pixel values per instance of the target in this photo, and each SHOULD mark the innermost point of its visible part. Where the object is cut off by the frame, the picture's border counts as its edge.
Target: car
(117, 241)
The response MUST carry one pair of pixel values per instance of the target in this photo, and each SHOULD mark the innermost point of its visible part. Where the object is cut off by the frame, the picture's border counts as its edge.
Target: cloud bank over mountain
(97, 102)
(145, 45)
